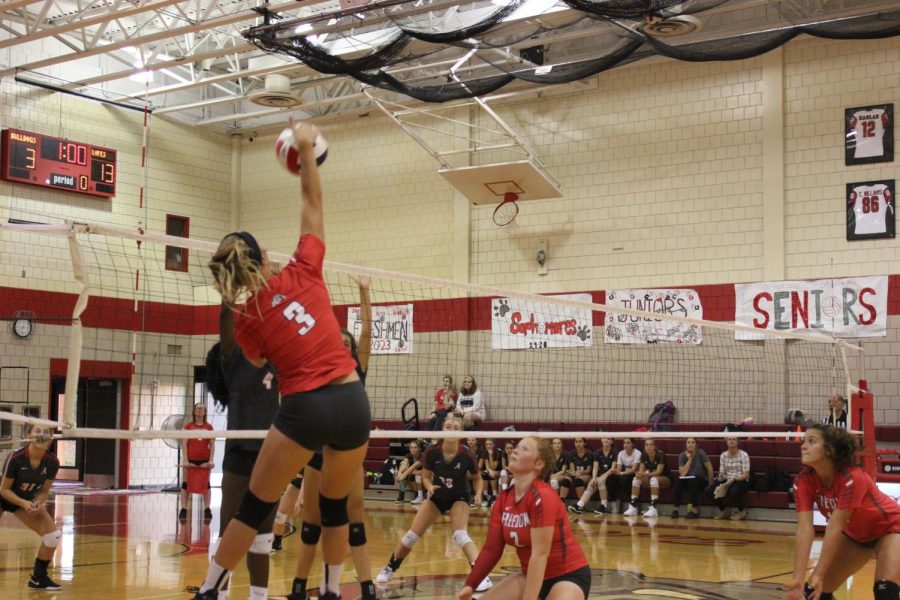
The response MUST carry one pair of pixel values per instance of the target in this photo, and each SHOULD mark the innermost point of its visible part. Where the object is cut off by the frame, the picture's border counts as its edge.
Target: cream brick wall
(822, 78)
(663, 171)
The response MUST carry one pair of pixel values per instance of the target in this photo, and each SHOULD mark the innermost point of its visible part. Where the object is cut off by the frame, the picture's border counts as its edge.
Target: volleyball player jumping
(288, 320)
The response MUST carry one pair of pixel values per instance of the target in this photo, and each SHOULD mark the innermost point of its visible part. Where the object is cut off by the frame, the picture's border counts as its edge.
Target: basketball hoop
(506, 211)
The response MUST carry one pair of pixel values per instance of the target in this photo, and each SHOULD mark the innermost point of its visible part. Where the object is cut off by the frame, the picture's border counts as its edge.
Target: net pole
(73, 368)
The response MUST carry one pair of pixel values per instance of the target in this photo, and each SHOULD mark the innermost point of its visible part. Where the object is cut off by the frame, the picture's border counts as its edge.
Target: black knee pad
(254, 511)
(184, 485)
(886, 590)
(579, 482)
(309, 533)
(333, 511)
(357, 534)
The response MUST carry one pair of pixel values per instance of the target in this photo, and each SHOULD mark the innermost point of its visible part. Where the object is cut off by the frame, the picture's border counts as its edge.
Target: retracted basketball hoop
(508, 183)
(506, 211)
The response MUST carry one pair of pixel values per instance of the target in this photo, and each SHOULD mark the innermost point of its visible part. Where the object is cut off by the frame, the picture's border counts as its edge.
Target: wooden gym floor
(134, 547)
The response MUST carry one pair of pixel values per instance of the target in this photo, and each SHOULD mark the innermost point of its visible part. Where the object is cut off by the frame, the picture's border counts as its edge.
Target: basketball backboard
(487, 184)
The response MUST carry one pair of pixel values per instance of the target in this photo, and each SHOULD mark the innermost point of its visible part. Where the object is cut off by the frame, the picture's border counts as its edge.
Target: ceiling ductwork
(277, 92)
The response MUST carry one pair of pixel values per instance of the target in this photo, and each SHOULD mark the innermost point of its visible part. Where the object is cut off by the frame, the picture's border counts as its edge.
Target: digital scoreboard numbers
(57, 163)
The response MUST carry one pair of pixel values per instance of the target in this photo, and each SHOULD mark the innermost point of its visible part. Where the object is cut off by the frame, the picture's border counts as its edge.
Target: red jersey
(291, 324)
(511, 523)
(199, 448)
(874, 512)
(441, 397)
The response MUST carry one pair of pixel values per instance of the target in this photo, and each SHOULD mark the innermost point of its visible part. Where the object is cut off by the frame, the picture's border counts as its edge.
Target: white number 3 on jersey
(295, 312)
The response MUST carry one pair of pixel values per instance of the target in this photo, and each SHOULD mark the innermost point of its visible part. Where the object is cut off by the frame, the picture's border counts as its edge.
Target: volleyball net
(126, 319)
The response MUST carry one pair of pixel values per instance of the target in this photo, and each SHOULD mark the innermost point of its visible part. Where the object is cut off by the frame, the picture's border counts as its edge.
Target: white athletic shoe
(651, 513)
(632, 511)
(384, 575)
(485, 585)
(417, 500)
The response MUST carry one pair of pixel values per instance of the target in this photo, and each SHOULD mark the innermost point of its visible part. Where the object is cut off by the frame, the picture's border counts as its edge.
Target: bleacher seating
(780, 454)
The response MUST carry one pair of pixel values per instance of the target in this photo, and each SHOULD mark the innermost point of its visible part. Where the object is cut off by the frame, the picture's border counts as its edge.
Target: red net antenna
(862, 418)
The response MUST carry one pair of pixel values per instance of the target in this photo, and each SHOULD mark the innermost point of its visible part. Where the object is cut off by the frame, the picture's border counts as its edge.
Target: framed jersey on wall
(870, 210)
(869, 134)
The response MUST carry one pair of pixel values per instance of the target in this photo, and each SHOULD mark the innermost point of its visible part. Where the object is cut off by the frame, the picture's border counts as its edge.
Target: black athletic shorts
(8, 506)
(871, 543)
(196, 463)
(316, 461)
(332, 415)
(297, 481)
(444, 500)
(580, 577)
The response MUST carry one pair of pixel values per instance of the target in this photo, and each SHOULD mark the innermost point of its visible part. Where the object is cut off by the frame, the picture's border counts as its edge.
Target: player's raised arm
(311, 217)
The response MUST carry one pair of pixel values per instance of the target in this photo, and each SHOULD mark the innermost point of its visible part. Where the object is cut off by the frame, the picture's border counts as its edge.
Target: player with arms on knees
(251, 396)
(27, 478)
(863, 522)
(531, 517)
(448, 468)
(288, 320)
(311, 528)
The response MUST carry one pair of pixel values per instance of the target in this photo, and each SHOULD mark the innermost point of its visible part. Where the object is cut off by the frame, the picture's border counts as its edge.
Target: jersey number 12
(297, 313)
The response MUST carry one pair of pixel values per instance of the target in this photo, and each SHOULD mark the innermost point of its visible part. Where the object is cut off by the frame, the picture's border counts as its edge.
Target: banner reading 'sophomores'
(626, 329)
(854, 307)
(392, 328)
(523, 324)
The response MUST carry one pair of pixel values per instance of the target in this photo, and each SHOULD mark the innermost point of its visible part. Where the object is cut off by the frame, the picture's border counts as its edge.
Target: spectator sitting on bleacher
(695, 471)
(444, 403)
(837, 412)
(602, 478)
(489, 463)
(733, 480)
(558, 473)
(409, 474)
(627, 464)
(652, 473)
(505, 476)
(471, 403)
(581, 465)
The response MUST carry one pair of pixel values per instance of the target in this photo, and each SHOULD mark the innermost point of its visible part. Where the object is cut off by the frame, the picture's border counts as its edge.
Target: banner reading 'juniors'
(523, 324)
(626, 329)
(392, 328)
(846, 308)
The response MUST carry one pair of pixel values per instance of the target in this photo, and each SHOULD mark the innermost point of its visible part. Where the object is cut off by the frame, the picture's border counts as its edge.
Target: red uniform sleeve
(309, 254)
(541, 511)
(804, 495)
(247, 339)
(855, 488)
(492, 549)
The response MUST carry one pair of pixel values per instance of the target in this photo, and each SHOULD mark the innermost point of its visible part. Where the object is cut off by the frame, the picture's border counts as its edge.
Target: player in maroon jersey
(863, 522)
(288, 320)
(447, 468)
(531, 517)
(27, 478)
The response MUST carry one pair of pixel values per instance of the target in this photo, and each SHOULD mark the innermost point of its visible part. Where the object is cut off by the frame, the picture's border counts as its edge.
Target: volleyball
(288, 152)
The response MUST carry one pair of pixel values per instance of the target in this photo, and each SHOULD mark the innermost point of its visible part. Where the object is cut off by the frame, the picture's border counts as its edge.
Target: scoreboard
(57, 163)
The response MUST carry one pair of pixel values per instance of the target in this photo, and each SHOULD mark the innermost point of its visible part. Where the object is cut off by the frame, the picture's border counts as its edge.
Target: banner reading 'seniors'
(523, 324)
(846, 308)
